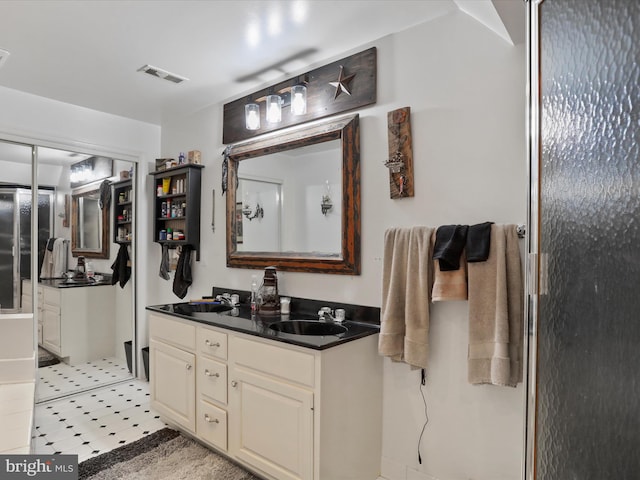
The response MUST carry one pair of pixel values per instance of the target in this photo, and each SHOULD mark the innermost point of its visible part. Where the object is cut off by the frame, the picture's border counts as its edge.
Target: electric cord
(423, 383)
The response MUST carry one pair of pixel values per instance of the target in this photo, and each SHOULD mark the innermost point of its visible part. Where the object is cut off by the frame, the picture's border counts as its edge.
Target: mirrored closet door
(85, 317)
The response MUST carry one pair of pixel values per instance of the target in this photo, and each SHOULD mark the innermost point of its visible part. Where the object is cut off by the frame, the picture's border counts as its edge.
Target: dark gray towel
(450, 241)
(164, 263)
(105, 194)
(121, 268)
(479, 242)
(183, 279)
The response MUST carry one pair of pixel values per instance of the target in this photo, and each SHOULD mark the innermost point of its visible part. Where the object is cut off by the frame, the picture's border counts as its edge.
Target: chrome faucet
(326, 314)
(225, 299)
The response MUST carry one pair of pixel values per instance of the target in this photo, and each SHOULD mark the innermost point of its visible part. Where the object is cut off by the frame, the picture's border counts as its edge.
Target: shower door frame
(535, 260)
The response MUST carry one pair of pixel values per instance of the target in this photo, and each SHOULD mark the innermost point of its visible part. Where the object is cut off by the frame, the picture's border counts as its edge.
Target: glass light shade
(298, 100)
(252, 116)
(274, 109)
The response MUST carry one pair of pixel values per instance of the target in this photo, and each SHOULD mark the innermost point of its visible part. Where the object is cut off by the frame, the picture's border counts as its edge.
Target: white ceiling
(87, 52)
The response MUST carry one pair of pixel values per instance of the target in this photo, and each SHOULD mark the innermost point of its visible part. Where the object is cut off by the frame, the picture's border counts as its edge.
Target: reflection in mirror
(81, 330)
(89, 224)
(293, 199)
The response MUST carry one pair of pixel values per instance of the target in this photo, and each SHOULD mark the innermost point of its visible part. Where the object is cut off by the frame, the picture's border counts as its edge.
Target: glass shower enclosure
(584, 388)
(15, 239)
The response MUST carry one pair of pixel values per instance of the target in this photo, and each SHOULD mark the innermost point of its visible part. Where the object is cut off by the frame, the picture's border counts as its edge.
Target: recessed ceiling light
(163, 74)
(4, 54)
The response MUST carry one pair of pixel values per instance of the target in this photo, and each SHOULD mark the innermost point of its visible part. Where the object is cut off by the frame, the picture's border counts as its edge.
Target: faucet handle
(325, 311)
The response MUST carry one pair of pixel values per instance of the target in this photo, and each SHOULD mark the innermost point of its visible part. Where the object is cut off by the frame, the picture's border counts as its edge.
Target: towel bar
(522, 230)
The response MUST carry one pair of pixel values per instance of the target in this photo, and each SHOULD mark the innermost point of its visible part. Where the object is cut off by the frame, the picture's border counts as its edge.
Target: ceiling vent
(160, 73)
(3, 56)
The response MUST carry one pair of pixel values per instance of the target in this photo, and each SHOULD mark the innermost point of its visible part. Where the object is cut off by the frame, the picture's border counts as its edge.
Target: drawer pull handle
(209, 419)
(209, 374)
(234, 383)
(189, 366)
(209, 344)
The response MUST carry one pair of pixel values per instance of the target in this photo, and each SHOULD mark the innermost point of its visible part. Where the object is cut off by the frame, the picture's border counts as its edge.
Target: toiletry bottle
(254, 293)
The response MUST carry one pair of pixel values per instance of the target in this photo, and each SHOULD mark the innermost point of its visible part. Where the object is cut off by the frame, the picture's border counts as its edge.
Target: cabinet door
(271, 425)
(51, 329)
(173, 387)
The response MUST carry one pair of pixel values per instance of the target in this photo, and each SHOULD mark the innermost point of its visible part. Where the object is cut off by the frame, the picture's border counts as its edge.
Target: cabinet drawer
(51, 297)
(212, 379)
(212, 343)
(172, 331)
(274, 360)
(212, 424)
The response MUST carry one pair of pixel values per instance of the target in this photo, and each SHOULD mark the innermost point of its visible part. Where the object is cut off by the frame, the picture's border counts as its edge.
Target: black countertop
(64, 283)
(240, 319)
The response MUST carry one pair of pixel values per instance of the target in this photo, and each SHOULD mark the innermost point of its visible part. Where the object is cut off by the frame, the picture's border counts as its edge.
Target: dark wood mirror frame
(347, 262)
(105, 241)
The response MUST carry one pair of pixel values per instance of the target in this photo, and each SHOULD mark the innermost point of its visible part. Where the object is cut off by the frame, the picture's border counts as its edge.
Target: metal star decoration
(342, 85)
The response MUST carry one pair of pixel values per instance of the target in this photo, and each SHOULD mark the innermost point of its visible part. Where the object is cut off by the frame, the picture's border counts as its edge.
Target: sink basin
(187, 308)
(78, 281)
(308, 327)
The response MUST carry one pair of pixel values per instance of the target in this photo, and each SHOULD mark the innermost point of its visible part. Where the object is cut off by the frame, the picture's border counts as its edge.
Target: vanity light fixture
(90, 170)
(307, 96)
(274, 109)
(252, 116)
(326, 204)
(248, 212)
(294, 97)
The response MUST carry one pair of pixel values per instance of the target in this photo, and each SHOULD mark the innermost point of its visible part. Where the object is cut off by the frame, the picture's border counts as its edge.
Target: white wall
(32, 119)
(466, 90)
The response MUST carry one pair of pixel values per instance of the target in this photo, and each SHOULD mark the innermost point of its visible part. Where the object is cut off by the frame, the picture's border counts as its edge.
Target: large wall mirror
(89, 224)
(293, 199)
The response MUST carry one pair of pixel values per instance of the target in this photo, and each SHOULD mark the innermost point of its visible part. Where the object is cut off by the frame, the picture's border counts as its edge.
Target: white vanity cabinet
(172, 370)
(27, 305)
(74, 323)
(284, 411)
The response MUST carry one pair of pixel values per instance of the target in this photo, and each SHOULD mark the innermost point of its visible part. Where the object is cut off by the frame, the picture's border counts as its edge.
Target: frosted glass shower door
(587, 423)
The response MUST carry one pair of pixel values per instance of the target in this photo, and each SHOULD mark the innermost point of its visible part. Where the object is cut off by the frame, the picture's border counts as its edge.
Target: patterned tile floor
(62, 379)
(91, 423)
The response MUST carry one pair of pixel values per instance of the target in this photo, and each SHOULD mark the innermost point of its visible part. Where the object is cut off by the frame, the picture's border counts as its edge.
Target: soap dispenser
(269, 299)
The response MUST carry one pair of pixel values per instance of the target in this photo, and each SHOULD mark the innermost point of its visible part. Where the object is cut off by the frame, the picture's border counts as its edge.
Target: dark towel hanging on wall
(164, 262)
(121, 268)
(479, 242)
(183, 279)
(105, 194)
(450, 241)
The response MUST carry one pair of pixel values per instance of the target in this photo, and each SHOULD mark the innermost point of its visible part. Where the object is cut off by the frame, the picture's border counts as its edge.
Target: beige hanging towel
(406, 286)
(496, 312)
(449, 284)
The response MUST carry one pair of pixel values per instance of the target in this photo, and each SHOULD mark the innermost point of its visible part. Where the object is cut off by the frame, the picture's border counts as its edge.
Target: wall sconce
(326, 203)
(298, 100)
(274, 109)
(252, 116)
(248, 212)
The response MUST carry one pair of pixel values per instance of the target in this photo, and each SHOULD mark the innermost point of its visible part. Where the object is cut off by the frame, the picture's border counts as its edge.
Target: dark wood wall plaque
(344, 85)
(400, 161)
